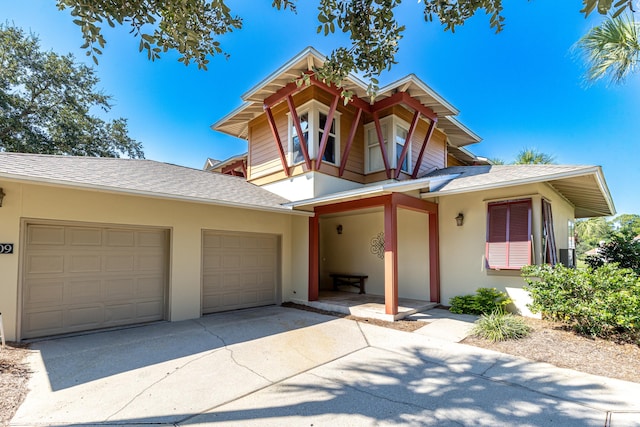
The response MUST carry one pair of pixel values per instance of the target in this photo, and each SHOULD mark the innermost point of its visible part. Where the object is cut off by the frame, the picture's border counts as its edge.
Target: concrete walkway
(276, 366)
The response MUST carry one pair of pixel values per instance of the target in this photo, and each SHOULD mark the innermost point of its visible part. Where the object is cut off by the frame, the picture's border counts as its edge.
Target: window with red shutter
(509, 234)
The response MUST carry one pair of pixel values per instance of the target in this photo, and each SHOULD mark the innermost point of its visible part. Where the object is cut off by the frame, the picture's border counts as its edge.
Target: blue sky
(520, 88)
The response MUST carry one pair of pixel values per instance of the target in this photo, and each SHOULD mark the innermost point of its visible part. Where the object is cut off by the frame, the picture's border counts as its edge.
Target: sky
(521, 88)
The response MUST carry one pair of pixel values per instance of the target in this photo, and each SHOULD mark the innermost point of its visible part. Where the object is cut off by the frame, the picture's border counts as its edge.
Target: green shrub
(622, 248)
(485, 301)
(499, 326)
(599, 302)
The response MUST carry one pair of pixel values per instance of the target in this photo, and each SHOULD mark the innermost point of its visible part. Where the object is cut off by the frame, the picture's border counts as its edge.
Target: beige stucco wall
(184, 220)
(462, 249)
(350, 252)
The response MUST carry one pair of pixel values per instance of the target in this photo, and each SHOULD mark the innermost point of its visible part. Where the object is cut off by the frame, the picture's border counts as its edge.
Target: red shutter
(508, 234)
(520, 234)
(496, 251)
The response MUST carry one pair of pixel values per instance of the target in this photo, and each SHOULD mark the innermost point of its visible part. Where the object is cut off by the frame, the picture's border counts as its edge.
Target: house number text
(6, 248)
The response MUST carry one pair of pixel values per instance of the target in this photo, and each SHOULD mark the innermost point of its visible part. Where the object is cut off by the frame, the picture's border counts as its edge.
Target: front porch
(342, 244)
(370, 306)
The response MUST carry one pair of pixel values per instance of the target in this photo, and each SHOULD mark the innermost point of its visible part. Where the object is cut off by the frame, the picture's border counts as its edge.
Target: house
(94, 243)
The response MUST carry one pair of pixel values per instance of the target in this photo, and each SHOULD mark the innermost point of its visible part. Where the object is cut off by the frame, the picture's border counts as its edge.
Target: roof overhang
(222, 163)
(584, 187)
(369, 191)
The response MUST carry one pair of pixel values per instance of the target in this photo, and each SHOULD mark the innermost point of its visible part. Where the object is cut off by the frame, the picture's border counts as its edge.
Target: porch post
(391, 257)
(434, 257)
(314, 270)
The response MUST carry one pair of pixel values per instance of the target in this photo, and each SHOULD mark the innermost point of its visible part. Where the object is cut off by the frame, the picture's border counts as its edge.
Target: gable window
(393, 129)
(508, 234)
(313, 119)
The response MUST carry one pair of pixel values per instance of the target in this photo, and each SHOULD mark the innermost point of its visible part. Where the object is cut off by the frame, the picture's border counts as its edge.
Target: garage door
(240, 270)
(78, 278)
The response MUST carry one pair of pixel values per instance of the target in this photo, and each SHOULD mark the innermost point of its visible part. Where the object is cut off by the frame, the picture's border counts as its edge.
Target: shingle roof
(584, 186)
(474, 176)
(137, 176)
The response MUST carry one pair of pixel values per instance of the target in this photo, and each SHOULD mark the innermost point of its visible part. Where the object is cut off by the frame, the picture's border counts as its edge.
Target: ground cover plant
(500, 326)
(484, 301)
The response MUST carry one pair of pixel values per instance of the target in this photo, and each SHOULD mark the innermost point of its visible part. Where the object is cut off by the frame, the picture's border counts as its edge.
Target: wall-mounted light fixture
(2, 194)
(460, 219)
(339, 228)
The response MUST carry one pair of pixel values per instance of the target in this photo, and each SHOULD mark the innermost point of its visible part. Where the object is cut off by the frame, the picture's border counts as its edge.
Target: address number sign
(6, 248)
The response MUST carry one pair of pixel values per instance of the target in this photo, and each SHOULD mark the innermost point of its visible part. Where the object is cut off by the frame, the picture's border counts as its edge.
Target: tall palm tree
(530, 156)
(611, 48)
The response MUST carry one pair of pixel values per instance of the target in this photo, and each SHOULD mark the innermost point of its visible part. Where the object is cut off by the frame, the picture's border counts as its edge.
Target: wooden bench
(356, 280)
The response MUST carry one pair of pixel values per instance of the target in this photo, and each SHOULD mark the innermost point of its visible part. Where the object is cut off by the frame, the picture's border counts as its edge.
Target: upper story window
(393, 129)
(509, 234)
(313, 119)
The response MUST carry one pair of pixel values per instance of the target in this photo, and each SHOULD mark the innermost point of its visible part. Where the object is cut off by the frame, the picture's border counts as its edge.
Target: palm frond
(611, 49)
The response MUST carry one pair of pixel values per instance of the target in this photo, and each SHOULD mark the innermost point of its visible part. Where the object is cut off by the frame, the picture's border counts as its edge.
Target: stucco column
(314, 269)
(434, 257)
(391, 257)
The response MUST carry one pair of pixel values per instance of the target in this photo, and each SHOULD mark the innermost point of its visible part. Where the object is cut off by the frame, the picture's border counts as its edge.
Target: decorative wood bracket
(327, 129)
(427, 138)
(407, 143)
(276, 137)
(231, 169)
(347, 148)
(383, 149)
(404, 98)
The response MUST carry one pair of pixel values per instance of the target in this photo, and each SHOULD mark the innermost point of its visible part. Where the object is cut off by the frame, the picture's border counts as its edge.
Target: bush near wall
(484, 301)
(601, 302)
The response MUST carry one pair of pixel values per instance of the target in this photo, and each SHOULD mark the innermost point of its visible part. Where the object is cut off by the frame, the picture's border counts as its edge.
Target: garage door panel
(84, 263)
(84, 236)
(99, 277)
(44, 292)
(231, 261)
(46, 235)
(148, 310)
(44, 322)
(82, 291)
(149, 286)
(211, 241)
(117, 289)
(231, 280)
(119, 314)
(265, 295)
(211, 262)
(84, 317)
(149, 262)
(45, 264)
(119, 263)
(249, 261)
(232, 242)
(239, 270)
(119, 238)
(150, 240)
(212, 282)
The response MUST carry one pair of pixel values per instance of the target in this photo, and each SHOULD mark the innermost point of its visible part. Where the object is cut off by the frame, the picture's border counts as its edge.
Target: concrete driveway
(279, 366)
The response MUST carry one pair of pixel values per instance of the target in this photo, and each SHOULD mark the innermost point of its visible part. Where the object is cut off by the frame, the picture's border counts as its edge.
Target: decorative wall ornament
(377, 245)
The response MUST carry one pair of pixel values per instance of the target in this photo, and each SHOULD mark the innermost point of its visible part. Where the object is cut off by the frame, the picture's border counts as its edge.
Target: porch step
(372, 310)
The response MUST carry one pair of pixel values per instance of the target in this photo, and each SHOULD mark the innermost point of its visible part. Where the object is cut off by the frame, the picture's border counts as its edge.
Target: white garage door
(240, 270)
(78, 278)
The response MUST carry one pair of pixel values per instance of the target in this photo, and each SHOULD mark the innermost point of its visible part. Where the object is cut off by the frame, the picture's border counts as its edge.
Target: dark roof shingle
(138, 176)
